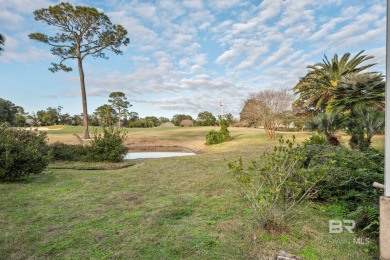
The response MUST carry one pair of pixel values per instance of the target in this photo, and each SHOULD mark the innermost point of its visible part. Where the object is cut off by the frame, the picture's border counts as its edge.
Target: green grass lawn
(171, 208)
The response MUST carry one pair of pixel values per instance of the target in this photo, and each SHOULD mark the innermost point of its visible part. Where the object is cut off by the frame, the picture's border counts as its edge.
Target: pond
(143, 155)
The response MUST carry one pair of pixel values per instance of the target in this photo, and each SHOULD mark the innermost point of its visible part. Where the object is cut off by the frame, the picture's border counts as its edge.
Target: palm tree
(327, 124)
(359, 91)
(363, 126)
(361, 97)
(317, 86)
(2, 40)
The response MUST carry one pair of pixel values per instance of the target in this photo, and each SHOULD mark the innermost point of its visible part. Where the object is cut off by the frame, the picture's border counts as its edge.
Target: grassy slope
(175, 208)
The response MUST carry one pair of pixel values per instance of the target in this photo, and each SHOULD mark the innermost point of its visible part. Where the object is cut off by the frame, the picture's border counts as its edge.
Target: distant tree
(65, 119)
(106, 114)
(49, 116)
(152, 121)
(34, 119)
(287, 118)
(20, 116)
(229, 118)
(119, 102)
(2, 41)
(206, 119)
(163, 120)
(141, 122)
(93, 120)
(7, 111)
(176, 120)
(302, 113)
(42, 117)
(133, 116)
(266, 109)
(77, 119)
(84, 31)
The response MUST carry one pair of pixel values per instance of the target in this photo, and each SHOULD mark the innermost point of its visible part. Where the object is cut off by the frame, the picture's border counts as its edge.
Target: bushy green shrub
(214, 137)
(22, 153)
(350, 173)
(108, 145)
(316, 139)
(277, 183)
(348, 180)
(66, 152)
(224, 129)
(217, 137)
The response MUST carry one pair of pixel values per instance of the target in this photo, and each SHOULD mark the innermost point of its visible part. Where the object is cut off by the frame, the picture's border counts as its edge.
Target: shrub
(214, 137)
(108, 145)
(217, 137)
(348, 181)
(224, 129)
(316, 139)
(278, 184)
(65, 152)
(22, 153)
(351, 172)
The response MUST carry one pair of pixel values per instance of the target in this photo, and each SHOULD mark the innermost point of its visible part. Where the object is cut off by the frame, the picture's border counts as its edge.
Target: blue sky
(187, 56)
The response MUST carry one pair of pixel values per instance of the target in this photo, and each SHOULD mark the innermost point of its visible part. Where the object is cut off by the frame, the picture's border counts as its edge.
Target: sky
(187, 56)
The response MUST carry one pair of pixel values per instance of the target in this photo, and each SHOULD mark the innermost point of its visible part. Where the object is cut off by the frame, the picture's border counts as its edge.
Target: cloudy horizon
(187, 56)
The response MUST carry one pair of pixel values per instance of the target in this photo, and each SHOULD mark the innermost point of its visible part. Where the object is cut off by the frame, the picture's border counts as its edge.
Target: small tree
(22, 153)
(84, 31)
(277, 184)
(7, 111)
(119, 102)
(363, 126)
(327, 125)
(267, 109)
(206, 119)
(105, 114)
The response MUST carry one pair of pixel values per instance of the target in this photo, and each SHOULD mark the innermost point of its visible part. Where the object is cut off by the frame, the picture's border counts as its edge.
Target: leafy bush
(348, 180)
(214, 137)
(108, 145)
(217, 137)
(65, 152)
(316, 139)
(350, 175)
(224, 129)
(22, 153)
(278, 184)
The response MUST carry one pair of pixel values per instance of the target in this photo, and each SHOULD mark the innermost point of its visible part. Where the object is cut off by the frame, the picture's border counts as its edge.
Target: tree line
(114, 113)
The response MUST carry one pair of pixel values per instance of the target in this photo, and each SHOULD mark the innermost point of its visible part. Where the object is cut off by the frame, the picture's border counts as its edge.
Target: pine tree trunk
(83, 99)
(119, 117)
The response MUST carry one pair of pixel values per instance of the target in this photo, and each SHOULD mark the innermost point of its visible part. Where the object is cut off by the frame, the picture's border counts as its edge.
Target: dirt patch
(132, 198)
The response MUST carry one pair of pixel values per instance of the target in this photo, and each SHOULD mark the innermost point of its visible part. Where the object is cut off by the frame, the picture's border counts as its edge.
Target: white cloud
(269, 9)
(185, 56)
(196, 4)
(22, 51)
(224, 4)
(226, 56)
